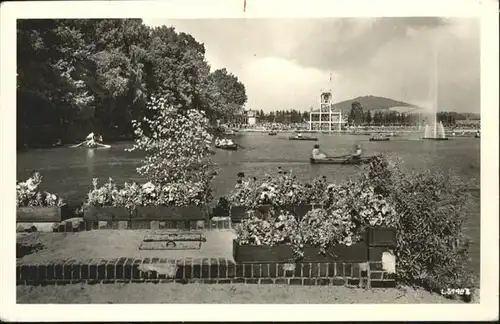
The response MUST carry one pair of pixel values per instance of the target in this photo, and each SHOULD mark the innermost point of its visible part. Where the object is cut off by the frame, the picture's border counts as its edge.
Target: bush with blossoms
(176, 165)
(133, 195)
(279, 189)
(428, 209)
(345, 211)
(28, 194)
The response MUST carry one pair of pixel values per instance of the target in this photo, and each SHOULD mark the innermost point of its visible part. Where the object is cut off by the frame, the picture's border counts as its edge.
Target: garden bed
(376, 242)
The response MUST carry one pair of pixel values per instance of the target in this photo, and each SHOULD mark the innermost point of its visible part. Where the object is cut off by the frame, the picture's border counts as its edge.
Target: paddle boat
(342, 160)
(299, 137)
(436, 138)
(378, 139)
(272, 133)
(92, 142)
(229, 132)
(226, 144)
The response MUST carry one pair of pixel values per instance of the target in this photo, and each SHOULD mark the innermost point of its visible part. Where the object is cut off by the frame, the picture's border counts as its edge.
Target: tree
(229, 91)
(356, 113)
(368, 118)
(81, 75)
(305, 116)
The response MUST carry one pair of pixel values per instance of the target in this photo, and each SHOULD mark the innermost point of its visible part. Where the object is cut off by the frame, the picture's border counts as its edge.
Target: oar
(77, 145)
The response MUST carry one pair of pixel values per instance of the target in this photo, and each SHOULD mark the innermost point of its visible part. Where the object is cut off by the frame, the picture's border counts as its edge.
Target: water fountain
(435, 131)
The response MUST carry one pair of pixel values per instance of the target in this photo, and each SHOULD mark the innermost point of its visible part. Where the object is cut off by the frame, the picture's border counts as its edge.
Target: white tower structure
(325, 118)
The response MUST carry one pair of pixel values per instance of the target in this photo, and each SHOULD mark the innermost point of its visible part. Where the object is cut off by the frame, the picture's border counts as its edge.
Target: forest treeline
(75, 76)
(359, 115)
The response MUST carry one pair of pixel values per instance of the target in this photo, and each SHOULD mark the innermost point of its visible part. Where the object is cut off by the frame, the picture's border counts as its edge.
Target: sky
(284, 63)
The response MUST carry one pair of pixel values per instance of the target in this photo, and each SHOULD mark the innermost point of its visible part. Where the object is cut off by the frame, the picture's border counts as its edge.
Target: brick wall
(207, 270)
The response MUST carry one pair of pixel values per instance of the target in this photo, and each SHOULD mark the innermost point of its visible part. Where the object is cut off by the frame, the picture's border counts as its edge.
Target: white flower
(348, 241)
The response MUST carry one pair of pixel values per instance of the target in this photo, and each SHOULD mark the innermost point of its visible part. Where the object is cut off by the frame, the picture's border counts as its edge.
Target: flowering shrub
(323, 229)
(28, 194)
(176, 144)
(318, 228)
(430, 218)
(281, 189)
(348, 210)
(283, 229)
(148, 194)
(358, 201)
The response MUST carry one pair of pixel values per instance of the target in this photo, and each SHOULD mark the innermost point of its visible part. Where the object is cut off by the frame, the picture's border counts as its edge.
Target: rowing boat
(342, 160)
(379, 139)
(302, 138)
(91, 145)
(232, 147)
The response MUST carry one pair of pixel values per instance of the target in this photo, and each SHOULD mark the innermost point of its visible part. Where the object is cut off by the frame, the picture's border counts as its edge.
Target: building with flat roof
(251, 117)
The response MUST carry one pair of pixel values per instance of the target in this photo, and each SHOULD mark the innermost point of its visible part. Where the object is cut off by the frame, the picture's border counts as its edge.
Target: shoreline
(467, 132)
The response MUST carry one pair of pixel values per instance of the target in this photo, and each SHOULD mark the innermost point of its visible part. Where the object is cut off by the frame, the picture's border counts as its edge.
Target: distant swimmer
(317, 154)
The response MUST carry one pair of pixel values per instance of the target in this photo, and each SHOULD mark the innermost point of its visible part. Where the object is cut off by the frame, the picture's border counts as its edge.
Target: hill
(375, 103)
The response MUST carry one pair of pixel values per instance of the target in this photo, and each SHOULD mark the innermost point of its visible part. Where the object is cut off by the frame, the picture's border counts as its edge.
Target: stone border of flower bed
(33, 214)
(207, 270)
(78, 224)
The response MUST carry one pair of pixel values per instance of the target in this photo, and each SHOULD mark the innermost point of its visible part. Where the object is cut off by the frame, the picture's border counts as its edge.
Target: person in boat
(299, 135)
(317, 154)
(90, 136)
(357, 153)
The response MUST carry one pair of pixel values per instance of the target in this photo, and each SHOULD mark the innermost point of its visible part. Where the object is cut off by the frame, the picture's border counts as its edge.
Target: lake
(68, 172)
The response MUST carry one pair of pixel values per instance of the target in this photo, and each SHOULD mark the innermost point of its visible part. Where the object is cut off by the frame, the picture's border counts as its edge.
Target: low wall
(80, 224)
(363, 264)
(208, 270)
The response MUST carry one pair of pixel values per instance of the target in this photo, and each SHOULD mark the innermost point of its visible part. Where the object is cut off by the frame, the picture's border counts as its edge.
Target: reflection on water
(90, 162)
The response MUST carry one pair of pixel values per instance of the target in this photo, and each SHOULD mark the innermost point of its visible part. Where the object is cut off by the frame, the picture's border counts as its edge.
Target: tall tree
(368, 117)
(229, 92)
(356, 113)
